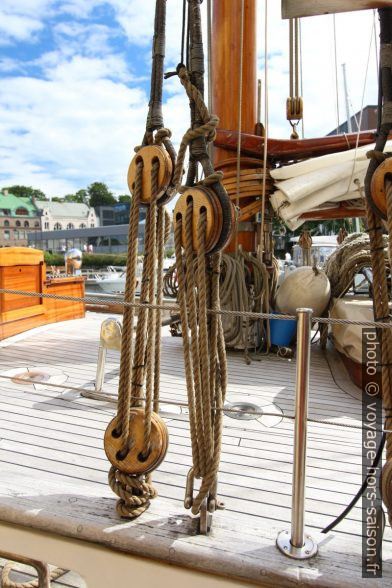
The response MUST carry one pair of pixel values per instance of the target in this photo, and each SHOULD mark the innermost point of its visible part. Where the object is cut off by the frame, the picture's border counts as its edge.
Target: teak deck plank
(54, 470)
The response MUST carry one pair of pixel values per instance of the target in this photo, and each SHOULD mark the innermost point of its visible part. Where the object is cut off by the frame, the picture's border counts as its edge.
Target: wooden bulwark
(24, 269)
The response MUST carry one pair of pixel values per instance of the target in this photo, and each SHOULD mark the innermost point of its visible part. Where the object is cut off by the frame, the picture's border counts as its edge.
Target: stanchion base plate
(309, 549)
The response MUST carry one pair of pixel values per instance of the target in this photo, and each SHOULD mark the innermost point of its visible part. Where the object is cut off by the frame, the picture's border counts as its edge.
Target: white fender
(303, 288)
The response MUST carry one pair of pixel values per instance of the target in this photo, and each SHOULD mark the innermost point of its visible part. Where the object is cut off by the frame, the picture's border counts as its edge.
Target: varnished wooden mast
(225, 62)
(226, 75)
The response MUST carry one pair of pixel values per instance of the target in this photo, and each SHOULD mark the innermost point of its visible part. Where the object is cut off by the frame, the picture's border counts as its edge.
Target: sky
(75, 76)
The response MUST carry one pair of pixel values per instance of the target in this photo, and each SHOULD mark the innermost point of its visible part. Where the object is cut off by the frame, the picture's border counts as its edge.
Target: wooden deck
(54, 471)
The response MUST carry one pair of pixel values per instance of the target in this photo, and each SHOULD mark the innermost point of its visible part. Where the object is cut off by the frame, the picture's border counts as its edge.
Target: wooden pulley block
(378, 187)
(294, 108)
(131, 459)
(203, 199)
(228, 232)
(149, 155)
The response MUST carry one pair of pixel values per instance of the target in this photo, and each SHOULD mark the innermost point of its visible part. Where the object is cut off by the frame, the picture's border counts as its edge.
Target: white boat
(111, 283)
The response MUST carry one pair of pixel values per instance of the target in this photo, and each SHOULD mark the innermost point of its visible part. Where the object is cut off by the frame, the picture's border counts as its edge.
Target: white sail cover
(319, 183)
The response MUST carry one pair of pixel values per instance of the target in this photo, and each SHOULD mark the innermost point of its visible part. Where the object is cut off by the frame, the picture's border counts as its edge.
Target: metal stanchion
(298, 545)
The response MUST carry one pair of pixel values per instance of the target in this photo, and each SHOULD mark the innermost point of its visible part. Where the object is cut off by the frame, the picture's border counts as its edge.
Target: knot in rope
(161, 135)
(134, 493)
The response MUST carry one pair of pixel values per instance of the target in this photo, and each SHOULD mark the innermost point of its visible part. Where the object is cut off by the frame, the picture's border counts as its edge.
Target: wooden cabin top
(10, 256)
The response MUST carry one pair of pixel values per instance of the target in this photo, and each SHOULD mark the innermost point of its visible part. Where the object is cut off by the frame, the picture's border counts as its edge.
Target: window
(92, 225)
(6, 223)
(6, 234)
(26, 224)
(18, 223)
(70, 226)
(22, 211)
(46, 225)
(82, 226)
(16, 234)
(36, 224)
(57, 227)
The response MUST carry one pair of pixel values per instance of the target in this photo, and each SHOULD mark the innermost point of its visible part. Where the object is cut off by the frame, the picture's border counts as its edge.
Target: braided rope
(140, 360)
(207, 130)
(6, 581)
(204, 354)
(381, 310)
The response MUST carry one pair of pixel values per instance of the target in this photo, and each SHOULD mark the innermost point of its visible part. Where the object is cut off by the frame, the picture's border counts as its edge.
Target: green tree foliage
(100, 195)
(27, 192)
(124, 198)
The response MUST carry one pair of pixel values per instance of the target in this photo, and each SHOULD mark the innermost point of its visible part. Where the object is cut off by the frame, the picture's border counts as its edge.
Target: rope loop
(162, 134)
(378, 156)
(134, 493)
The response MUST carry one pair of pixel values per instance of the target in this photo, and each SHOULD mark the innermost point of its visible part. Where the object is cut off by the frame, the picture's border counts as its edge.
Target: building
(108, 239)
(59, 216)
(116, 214)
(19, 217)
(368, 122)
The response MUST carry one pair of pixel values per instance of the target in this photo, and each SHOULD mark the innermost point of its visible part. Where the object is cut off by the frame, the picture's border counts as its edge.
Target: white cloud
(81, 122)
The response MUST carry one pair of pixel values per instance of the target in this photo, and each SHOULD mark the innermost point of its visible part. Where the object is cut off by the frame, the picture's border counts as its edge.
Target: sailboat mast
(234, 91)
(226, 67)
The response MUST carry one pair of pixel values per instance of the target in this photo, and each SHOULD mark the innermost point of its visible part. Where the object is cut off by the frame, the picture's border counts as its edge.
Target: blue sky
(74, 82)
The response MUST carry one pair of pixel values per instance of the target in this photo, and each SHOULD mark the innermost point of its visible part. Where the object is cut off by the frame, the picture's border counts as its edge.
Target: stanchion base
(309, 549)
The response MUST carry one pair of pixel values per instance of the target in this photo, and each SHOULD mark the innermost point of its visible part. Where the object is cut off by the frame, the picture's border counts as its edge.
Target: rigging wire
(183, 30)
(265, 146)
(301, 73)
(336, 75)
(239, 124)
(359, 125)
(375, 39)
(209, 67)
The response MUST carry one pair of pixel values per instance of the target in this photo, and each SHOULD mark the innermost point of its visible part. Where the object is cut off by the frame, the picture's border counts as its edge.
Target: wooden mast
(225, 66)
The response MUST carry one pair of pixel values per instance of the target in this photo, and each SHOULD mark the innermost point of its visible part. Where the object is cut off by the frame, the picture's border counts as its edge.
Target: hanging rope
(305, 242)
(294, 107)
(203, 219)
(375, 228)
(136, 440)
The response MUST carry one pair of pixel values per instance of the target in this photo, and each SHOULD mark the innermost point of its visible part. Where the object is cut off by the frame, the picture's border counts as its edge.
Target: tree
(100, 195)
(82, 196)
(57, 199)
(124, 198)
(26, 192)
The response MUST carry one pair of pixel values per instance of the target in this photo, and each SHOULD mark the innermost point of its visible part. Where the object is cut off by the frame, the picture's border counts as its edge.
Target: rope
(375, 228)
(222, 312)
(140, 358)
(347, 260)
(6, 581)
(266, 131)
(305, 242)
(204, 354)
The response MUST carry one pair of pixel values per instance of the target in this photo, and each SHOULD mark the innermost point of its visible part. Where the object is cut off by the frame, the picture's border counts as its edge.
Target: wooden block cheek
(131, 459)
(378, 184)
(148, 156)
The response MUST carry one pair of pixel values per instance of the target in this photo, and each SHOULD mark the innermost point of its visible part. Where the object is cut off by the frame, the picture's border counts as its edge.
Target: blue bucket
(282, 331)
